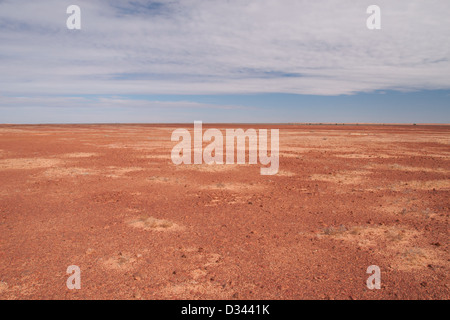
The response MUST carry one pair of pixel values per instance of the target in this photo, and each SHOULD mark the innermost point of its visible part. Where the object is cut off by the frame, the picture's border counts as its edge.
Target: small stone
(137, 277)
(437, 244)
(3, 286)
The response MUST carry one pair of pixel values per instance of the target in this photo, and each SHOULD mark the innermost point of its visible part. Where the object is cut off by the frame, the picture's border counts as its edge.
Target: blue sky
(224, 61)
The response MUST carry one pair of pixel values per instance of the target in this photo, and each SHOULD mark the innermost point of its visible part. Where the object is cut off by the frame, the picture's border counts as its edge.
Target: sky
(242, 61)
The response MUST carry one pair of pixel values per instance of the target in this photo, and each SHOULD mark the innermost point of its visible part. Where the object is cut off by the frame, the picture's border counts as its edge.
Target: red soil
(108, 199)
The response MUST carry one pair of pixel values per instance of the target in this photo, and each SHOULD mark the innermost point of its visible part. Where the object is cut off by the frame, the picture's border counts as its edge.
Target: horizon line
(234, 123)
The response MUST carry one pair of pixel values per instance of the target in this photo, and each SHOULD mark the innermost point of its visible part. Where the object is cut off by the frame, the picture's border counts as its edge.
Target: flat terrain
(108, 199)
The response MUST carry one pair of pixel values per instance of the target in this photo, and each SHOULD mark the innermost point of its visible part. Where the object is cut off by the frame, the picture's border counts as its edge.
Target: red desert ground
(108, 198)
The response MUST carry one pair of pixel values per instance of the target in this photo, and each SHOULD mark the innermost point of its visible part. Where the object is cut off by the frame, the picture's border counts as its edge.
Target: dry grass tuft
(149, 223)
(333, 231)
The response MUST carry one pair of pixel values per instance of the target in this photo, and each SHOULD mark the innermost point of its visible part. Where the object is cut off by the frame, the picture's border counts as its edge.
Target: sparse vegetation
(332, 231)
(156, 223)
(414, 254)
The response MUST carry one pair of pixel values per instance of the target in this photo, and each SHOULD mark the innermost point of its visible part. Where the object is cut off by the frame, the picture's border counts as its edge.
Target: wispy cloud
(103, 102)
(221, 47)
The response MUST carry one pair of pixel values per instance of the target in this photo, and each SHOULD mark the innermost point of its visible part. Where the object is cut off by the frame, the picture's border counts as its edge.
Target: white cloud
(102, 102)
(209, 47)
